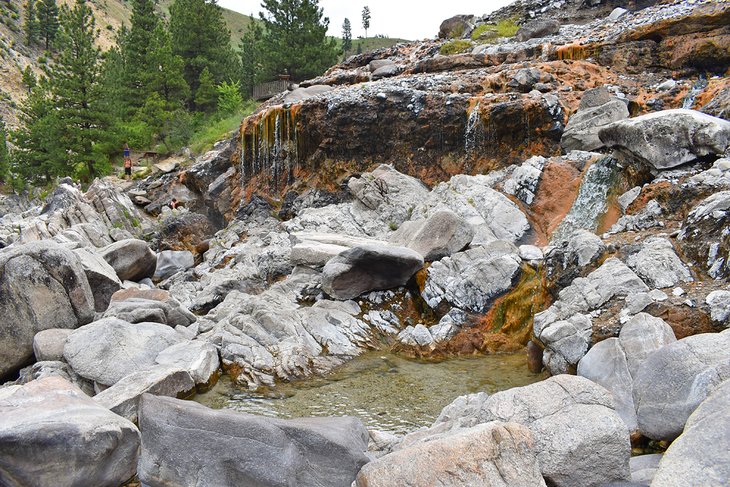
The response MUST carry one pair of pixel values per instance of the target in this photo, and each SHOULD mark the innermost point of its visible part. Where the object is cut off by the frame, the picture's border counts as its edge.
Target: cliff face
(433, 115)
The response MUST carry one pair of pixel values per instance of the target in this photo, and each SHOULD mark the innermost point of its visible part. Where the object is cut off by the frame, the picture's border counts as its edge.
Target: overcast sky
(407, 19)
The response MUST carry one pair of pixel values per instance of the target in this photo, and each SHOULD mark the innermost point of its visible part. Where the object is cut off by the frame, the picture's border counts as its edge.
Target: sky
(405, 19)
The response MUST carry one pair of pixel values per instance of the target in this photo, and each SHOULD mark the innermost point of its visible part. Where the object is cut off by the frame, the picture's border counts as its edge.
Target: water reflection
(385, 391)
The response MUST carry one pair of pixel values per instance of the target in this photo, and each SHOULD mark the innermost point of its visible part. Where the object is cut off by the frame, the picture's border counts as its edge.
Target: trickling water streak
(472, 130)
(592, 200)
(699, 86)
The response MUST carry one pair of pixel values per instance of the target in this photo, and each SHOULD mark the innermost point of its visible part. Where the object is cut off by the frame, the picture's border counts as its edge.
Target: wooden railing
(265, 91)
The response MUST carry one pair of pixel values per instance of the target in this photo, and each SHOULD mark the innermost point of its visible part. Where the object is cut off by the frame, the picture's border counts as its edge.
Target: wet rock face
(704, 237)
(392, 123)
(42, 286)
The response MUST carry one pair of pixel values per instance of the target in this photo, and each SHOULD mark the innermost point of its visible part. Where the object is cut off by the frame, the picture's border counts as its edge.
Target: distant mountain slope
(15, 55)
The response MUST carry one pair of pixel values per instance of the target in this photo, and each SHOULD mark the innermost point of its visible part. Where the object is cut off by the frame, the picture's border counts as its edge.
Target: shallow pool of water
(385, 391)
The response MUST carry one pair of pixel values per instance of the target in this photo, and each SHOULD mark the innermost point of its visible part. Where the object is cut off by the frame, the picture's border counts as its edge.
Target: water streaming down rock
(592, 200)
(689, 99)
(473, 131)
(269, 146)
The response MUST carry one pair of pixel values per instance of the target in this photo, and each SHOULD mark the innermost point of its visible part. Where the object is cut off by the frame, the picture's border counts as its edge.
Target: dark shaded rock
(369, 268)
(537, 28)
(170, 262)
(42, 286)
(184, 442)
(131, 259)
(52, 434)
(185, 231)
(704, 237)
(534, 357)
(456, 26)
(719, 105)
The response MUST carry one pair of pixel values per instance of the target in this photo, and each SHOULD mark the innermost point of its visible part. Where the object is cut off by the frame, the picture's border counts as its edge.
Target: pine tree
(205, 96)
(230, 101)
(366, 19)
(346, 36)
(47, 15)
(29, 79)
(251, 58)
(38, 154)
(75, 90)
(136, 49)
(295, 39)
(201, 38)
(30, 23)
(166, 76)
(4, 154)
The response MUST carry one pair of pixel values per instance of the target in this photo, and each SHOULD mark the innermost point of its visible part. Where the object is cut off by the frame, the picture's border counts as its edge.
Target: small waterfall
(699, 87)
(592, 200)
(269, 146)
(473, 130)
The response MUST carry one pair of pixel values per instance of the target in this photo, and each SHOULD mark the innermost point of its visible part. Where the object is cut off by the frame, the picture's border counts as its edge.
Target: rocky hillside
(15, 55)
(563, 194)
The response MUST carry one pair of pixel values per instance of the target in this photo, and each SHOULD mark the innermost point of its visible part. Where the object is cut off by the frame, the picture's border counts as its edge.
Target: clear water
(385, 391)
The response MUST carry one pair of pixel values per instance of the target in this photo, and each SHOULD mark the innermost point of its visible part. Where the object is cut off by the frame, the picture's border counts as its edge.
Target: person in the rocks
(173, 203)
(127, 162)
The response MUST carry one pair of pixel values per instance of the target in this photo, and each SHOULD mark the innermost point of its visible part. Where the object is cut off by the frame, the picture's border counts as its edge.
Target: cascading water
(472, 132)
(697, 88)
(592, 200)
(269, 146)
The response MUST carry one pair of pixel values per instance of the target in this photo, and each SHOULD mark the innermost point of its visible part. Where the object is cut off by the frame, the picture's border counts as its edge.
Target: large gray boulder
(658, 264)
(132, 259)
(675, 379)
(537, 28)
(677, 137)
(700, 455)
(198, 357)
(185, 444)
(102, 277)
(579, 438)
(495, 454)
(606, 364)
(369, 268)
(161, 380)
(42, 286)
(52, 434)
(138, 310)
(48, 344)
(170, 262)
(109, 349)
(471, 280)
(613, 363)
(441, 235)
(581, 132)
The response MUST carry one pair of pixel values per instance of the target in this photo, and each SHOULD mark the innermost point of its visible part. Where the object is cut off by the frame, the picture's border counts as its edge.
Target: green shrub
(488, 33)
(455, 47)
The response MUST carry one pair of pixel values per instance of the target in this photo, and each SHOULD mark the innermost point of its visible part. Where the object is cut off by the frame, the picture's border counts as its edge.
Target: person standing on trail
(127, 162)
